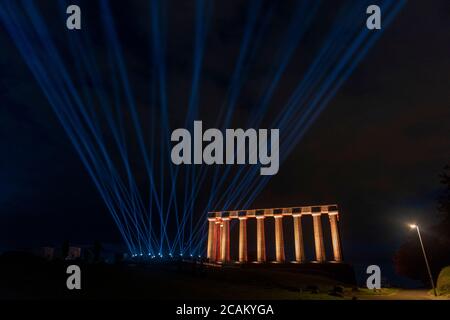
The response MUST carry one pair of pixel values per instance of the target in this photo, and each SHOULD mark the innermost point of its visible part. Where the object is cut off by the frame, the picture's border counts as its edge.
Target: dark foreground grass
(166, 281)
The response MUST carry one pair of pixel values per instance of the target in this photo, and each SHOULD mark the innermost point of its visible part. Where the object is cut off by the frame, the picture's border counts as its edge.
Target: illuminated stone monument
(218, 249)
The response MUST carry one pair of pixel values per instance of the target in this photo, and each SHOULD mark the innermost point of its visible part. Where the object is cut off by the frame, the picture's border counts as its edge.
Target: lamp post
(415, 226)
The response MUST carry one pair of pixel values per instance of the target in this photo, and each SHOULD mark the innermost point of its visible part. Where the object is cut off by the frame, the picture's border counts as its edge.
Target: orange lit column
(225, 240)
(335, 238)
(260, 239)
(298, 237)
(243, 239)
(318, 238)
(279, 241)
(217, 240)
(211, 241)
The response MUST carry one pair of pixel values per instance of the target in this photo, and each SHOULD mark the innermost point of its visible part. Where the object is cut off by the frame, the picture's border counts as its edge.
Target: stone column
(243, 239)
(279, 241)
(335, 238)
(298, 237)
(260, 239)
(318, 238)
(225, 240)
(217, 238)
(211, 241)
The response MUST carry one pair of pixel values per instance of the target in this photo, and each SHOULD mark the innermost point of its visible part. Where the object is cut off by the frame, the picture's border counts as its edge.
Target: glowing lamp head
(413, 226)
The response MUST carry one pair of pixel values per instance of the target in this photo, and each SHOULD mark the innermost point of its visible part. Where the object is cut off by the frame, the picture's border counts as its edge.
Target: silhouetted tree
(97, 250)
(409, 260)
(444, 198)
(65, 249)
(118, 258)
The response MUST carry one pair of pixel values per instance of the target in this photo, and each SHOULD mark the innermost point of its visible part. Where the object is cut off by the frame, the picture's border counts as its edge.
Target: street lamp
(415, 226)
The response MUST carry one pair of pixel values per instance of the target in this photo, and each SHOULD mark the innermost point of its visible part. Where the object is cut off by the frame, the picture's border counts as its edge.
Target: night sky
(376, 150)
